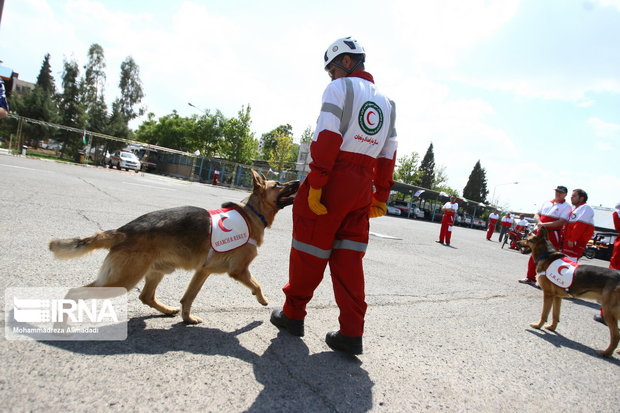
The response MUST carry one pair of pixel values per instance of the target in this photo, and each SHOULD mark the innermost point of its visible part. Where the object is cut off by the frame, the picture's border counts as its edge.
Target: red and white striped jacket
(580, 226)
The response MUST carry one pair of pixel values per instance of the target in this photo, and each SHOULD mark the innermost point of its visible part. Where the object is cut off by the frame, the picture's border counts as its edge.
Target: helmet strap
(348, 71)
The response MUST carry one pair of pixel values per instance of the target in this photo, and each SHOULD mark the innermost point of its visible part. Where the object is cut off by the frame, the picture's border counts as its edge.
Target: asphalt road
(447, 328)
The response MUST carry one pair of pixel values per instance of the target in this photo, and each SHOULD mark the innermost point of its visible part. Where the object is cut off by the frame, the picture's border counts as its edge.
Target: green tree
(306, 136)
(268, 140)
(427, 169)
(476, 187)
(39, 104)
(205, 133)
(72, 112)
(45, 79)
(280, 154)
(92, 90)
(131, 94)
(239, 144)
(407, 170)
(439, 182)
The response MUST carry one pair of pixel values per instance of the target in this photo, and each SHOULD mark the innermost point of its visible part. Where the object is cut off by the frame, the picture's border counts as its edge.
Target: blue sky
(531, 88)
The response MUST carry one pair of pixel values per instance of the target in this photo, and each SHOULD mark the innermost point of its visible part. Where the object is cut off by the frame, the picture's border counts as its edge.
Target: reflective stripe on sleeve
(311, 249)
(345, 244)
(333, 109)
(347, 110)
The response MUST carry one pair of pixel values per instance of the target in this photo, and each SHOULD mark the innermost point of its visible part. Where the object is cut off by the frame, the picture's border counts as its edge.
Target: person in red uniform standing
(353, 150)
(552, 215)
(447, 221)
(614, 261)
(506, 224)
(580, 226)
(493, 217)
(521, 224)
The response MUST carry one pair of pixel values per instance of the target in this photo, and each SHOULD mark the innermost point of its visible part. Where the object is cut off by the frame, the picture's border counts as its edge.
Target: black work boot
(338, 342)
(294, 327)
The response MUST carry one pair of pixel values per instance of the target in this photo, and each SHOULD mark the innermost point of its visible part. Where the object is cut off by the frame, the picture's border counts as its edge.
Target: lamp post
(196, 107)
(495, 187)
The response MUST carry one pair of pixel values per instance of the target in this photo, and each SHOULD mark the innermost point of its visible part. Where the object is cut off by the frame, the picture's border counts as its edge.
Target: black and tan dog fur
(160, 242)
(589, 281)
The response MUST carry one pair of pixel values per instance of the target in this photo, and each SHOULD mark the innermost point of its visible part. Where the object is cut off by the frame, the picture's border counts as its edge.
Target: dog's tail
(76, 247)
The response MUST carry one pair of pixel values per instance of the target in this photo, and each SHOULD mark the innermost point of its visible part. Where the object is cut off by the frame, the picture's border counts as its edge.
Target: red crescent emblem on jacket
(221, 225)
(368, 117)
(563, 267)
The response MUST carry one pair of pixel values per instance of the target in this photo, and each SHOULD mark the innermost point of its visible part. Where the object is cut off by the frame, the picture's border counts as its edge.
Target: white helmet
(341, 46)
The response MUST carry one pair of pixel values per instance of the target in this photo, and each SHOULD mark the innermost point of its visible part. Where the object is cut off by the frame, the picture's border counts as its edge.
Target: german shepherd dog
(589, 281)
(159, 242)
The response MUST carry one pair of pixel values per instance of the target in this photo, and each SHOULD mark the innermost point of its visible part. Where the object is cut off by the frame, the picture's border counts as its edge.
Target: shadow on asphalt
(559, 341)
(292, 379)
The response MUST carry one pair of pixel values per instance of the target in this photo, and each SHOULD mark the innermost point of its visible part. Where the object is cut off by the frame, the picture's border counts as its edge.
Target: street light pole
(196, 107)
(495, 187)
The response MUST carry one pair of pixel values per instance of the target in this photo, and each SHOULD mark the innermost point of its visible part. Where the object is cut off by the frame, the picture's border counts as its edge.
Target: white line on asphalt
(20, 167)
(150, 186)
(383, 235)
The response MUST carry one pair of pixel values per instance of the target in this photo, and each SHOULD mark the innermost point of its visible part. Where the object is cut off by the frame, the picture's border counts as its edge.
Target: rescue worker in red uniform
(553, 215)
(353, 151)
(506, 224)
(447, 221)
(580, 226)
(493, 217)
(614, 261)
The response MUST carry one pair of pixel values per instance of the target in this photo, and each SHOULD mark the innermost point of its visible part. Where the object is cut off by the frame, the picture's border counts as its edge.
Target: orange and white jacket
(580, 226)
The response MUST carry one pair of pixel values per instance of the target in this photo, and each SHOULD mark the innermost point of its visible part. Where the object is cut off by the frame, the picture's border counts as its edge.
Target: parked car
(405, 211)
(391, 210)
(124, 160)
(601, 246)
(148, 159)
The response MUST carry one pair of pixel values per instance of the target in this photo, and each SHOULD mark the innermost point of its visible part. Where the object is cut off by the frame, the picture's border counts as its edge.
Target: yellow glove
(377, 209)
(314, 201)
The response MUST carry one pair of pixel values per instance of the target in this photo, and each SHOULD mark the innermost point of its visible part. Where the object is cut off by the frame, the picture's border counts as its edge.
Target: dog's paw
(190, 319)
(536, 326)
(604, 353)
(551, 327)
(171, 310)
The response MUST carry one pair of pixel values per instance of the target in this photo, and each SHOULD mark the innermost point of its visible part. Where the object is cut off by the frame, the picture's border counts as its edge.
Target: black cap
(561, 188)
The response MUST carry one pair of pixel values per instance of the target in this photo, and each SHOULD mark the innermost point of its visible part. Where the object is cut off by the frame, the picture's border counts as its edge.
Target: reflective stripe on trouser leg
(307, 262)
(348, 281)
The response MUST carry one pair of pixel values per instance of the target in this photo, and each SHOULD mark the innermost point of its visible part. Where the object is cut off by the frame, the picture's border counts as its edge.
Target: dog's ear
(259, 180)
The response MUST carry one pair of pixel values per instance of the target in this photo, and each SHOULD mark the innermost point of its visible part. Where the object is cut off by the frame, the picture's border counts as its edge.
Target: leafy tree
(476, 187)
(268, 141)
(92, 90)
(427, 169)
(71, 110)
(239, 144)
(205, 133)
(407, 170)
(131, 90)
(280, 154)
(439, 182)
(306, 136)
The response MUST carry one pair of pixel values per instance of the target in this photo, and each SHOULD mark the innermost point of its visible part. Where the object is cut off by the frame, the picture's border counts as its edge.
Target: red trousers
(447, 221)
(556, 239)
(575, 252)
(614, 261)
(339, 239)
(491, 229)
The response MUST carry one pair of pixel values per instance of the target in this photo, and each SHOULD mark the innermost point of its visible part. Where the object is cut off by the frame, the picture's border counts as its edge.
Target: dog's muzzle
(287, 196)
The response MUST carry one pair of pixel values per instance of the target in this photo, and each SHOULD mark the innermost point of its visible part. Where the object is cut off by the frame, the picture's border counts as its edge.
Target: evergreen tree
(45, 79)
(427, 169)
(476, 188)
